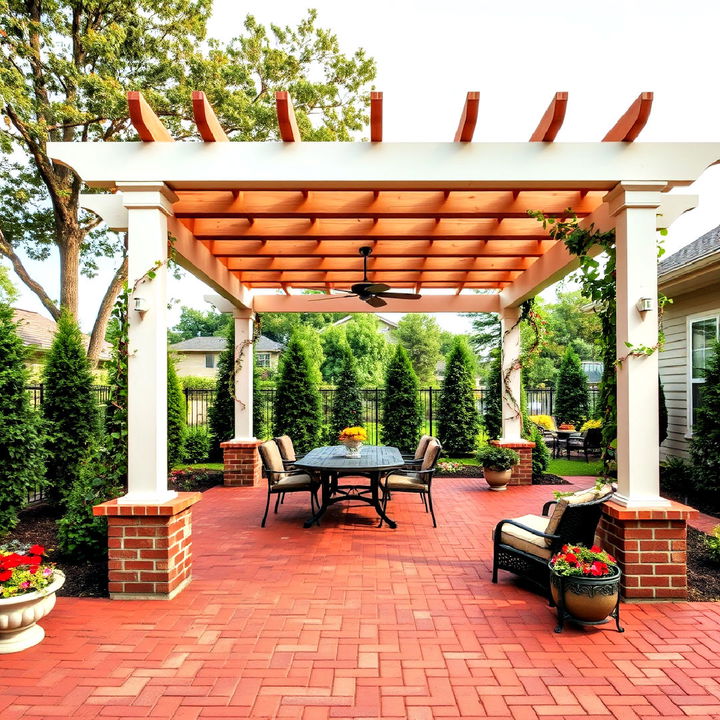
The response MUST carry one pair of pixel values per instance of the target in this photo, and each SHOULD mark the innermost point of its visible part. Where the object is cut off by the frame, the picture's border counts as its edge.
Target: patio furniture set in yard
(370, 477)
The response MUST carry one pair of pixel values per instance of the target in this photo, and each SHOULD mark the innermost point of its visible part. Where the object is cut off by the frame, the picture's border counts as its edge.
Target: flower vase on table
(353, 438)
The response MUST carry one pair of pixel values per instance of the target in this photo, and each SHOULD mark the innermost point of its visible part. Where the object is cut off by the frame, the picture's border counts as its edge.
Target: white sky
(517, 54)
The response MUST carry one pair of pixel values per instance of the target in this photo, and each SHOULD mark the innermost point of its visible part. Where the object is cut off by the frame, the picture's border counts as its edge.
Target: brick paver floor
(348, 620)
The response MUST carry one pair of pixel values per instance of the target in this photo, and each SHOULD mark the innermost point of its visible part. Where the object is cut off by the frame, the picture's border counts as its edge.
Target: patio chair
(415, 481)
(287, 450)
(524, 545)
(588, 442)
(413, 462)
(549, 437)
(281, 481)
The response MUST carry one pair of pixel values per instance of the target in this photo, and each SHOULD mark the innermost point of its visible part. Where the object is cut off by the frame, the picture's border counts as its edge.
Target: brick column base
(650, 545)
(522, 473)
(242, 463)
(149, 547)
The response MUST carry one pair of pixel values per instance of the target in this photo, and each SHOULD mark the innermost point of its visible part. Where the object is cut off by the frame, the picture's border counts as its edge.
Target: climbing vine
(240, 350)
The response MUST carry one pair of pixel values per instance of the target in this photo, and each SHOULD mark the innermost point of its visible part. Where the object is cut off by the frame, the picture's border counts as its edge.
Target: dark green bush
(676, 475)
(540, 453)
(22, 449)
(705, 443)
(663, 414)
(572, 399)
(69, 408)
(402, 409)
(458, 422)
(493, 398)
(347, 408)
(221, 416)
(497, 458)
(175, 417)
(197, 444)
(260, 429)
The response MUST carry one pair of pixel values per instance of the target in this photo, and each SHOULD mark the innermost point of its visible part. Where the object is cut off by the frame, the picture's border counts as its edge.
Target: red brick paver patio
(351, 621)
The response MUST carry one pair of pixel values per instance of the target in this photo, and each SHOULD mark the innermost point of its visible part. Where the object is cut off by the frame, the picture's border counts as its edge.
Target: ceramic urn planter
(497, 479)
(19, 616)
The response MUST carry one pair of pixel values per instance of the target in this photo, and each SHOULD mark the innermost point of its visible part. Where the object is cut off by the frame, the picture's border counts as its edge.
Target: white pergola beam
(591, 166)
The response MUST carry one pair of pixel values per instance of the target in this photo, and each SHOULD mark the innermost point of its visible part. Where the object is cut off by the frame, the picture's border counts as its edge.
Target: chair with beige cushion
(287, 450)
(523, 545)
(413, 462)
(281, 481)
(415, 481)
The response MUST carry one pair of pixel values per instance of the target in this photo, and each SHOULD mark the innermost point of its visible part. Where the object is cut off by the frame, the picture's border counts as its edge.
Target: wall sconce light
(645, 304)
(141, 305)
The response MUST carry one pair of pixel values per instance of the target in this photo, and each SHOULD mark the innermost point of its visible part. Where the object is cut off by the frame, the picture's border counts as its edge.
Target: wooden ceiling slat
(390, 277)
(468, 119)
(629, 126)
(205, 119)
(552, 120)
(148, 125)
(289, 131)
(376, 117)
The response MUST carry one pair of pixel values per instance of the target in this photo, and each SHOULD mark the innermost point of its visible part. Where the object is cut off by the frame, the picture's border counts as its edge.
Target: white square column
(148, 206)
(634, 205)
(510, 374)
(243, 374)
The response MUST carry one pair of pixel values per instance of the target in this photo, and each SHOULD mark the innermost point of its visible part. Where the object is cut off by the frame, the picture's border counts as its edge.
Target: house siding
(193, 363)
(673, 363)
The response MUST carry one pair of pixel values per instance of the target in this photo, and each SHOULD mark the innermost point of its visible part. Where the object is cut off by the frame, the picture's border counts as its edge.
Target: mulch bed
(703, 573)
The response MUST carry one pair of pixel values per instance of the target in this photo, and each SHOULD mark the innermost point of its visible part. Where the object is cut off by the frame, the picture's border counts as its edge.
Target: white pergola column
(243, 374)
(148, 205)
(510, 354)
(634, 205)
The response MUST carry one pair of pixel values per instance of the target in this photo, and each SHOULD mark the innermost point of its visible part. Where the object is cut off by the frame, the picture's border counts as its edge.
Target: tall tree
(419, 334)
(459, 422)
(572, 399)
(221, 416)
(69, 408)
(369, 347)
(493, 397)
(485, 333)
(402, 409)
(705, 443)
(196, 323)
(334, 344)
(175, 417)
(298, 410)
(313, 347)
(347, 408)
(66, 67)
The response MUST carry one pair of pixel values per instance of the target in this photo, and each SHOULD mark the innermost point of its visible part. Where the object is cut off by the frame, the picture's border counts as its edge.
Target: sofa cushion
(522, 539)
(577, 498)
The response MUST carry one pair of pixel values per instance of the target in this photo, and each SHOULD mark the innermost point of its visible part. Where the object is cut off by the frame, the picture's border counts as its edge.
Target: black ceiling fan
(373, 293)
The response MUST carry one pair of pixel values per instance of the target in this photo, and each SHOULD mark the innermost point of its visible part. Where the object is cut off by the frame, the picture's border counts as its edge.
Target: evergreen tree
(175, 417)
(493, 397)
(69, 408)
(221, 416)
(419, 334)
(663, 412)
(459, 422)
(540, 453)
(572, 399)
(347, 408)
(259, 425)
(402, 409)
(21, 441)
(705, 443)
(298, 407)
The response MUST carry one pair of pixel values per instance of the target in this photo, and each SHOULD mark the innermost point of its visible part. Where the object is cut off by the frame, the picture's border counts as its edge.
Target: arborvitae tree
(531, 432)
(347, 408)
(493, 397)
(459, 422)
(175, 417)
(572, 399)
(298, 407)
(21, 441)
(663, 411)
(705, 443)
(259, 425)
(221, 416)
(69, 408)
(402, 409)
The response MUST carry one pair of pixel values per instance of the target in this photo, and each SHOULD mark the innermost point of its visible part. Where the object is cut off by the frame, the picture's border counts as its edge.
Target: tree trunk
(70, 271)
(103, 316)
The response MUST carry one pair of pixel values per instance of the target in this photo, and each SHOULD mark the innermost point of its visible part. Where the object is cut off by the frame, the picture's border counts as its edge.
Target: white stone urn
(497, 479)
(352, 449)
(19, 616)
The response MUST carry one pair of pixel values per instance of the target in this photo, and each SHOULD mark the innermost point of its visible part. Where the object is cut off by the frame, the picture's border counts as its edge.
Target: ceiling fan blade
(399, 295)
(334, 297)
(366, 288)
(376, 288)
(375, 301)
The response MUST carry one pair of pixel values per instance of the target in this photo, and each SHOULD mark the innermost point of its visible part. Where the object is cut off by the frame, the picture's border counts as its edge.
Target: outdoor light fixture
(141, 305)
(644, 304)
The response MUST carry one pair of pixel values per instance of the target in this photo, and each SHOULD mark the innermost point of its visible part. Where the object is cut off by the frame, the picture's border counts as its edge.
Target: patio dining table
(331, 463)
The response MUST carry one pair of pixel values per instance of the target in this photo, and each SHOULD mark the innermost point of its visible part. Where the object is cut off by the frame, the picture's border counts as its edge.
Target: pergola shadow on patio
(350, 621)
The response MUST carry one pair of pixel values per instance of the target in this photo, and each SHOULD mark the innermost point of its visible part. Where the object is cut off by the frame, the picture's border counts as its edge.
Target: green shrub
(675, 475)
(221, 415)
(663, 414)
(347, 408)
(176, 414)
(260, 428)
(22, 449)
(572, 399)
(497, 458)
(402, 409)
(69, 408)
(540, 453)
(459, 422)
(493, 397)
(712, 543)
(197, 444)
(196, 382)
(705, 443)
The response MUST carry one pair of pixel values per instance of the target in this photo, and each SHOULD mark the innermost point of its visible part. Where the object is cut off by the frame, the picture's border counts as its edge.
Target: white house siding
(673, 363)
(193, 363)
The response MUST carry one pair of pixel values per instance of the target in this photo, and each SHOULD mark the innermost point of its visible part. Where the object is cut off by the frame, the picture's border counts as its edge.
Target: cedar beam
(289, 131)
(376, 117)
(628, 127)
(468, 119)
(552, 120)
(148, 125)
(205, 119)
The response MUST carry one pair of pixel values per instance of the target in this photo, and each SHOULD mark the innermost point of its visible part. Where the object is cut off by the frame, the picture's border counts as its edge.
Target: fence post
(430, 410)
(42, 393)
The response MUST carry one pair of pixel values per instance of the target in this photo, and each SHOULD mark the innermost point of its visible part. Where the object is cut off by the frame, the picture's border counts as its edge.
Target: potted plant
(27, 593)
(497, 464)
(585, 585)
(353, 438)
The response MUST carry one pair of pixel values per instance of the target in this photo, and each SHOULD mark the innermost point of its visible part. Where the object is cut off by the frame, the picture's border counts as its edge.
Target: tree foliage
(663, 414)
(347, 409)
(22, 450)
(175, 417)
(279, 326)
(196, 323)
(221, 416)
(705, 443)
(334, 344)
(420, 335)
(572, 399)
(485, 335)
(298, 407)
(493, 397)
(260, 429)
(69, 408)
(402, 409)
(459, 422)
(369, 347)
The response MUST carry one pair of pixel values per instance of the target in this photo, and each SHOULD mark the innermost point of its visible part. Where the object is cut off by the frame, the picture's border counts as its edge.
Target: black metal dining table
(332, 464)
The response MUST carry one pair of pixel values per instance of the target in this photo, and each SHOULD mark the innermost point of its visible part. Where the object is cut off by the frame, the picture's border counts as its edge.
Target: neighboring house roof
(38, 331)
(382, 319)
(706, 245)
(218, 344)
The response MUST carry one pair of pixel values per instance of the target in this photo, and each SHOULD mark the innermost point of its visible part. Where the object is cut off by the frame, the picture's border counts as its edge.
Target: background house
(385, 325)
(691, 278)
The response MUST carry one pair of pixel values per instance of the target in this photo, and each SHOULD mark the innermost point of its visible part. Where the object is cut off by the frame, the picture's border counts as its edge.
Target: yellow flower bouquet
(353, 438)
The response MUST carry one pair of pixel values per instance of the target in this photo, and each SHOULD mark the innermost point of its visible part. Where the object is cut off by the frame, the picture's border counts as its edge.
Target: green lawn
(198, 466)
(563, 466)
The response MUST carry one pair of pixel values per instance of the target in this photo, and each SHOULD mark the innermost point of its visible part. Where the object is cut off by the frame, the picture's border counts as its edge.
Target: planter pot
(587, 600)
(19, 616)
(352, 449)
(497, 479)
